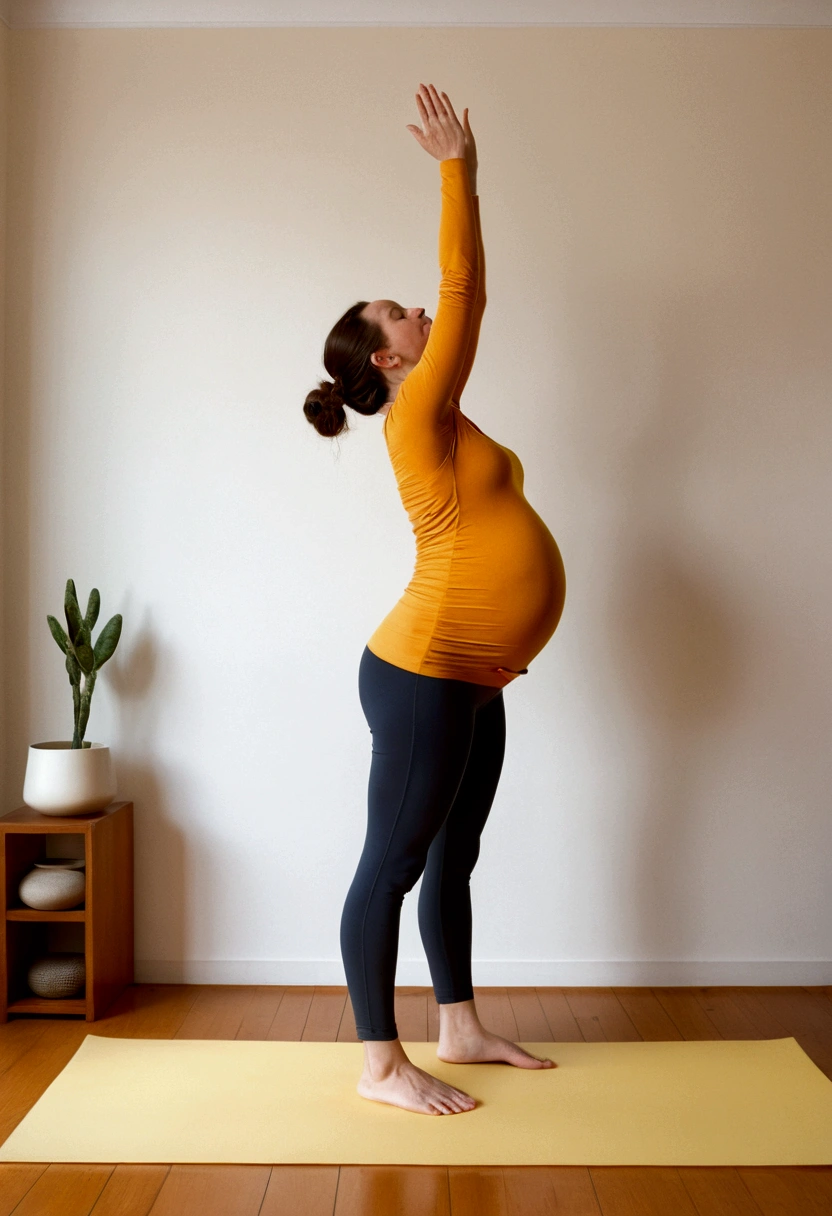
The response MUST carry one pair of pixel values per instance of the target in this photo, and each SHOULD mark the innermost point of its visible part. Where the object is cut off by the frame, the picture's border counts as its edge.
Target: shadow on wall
(678, 646)
(675, 644)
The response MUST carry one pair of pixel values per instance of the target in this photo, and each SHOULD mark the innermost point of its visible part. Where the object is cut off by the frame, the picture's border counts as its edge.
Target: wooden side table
(102, 927)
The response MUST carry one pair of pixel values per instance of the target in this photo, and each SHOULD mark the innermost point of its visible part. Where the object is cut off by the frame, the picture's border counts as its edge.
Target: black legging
(438, 747)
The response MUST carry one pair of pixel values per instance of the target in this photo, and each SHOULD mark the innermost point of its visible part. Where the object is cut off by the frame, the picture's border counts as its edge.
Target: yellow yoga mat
(750, 1102)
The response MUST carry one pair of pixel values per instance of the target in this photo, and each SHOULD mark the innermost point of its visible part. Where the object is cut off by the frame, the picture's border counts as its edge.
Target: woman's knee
(401, 874)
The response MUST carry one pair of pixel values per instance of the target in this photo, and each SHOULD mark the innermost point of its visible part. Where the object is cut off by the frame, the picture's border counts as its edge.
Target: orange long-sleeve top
(488, 587)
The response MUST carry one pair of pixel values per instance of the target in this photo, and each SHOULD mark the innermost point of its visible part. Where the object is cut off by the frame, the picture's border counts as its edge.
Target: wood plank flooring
(33, 1050)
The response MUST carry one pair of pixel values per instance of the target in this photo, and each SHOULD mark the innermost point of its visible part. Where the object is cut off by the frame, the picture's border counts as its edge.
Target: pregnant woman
(486, 595)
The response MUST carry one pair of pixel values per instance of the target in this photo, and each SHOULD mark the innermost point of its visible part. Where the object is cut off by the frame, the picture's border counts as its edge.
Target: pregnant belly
(507, 582)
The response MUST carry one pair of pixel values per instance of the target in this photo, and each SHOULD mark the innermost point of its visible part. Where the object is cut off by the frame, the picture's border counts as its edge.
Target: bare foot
(411, 1087)
(481, 1046)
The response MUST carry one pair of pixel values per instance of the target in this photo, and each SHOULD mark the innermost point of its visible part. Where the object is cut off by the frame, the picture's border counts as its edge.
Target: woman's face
(406, 330)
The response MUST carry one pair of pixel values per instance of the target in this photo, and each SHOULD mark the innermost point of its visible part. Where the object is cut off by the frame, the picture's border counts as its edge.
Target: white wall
(5, 47)
(190, 210)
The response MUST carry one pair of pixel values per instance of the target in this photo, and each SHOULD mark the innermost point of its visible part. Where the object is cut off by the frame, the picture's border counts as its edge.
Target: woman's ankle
(382, 1057)
(459, 1018)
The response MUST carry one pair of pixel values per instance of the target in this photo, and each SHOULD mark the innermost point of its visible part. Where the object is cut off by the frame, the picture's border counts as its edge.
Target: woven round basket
(57, 975)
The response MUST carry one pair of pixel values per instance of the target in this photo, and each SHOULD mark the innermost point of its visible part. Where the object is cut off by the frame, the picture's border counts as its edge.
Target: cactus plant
(81, 656)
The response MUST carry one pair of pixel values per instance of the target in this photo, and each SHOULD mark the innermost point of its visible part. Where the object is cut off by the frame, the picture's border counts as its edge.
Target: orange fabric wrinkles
(488, 587)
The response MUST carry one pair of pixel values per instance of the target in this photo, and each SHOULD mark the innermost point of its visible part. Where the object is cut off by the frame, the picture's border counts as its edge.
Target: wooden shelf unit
(101, 928)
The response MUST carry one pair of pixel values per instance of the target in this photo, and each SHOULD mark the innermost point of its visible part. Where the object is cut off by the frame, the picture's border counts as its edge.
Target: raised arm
(426, 393)
(479, 309)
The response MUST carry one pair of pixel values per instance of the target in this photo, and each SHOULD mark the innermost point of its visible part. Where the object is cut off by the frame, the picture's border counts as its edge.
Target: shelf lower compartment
(40, 1004)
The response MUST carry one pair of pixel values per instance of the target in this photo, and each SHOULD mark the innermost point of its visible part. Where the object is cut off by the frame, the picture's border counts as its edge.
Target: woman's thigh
(458, 842)
(422, 730)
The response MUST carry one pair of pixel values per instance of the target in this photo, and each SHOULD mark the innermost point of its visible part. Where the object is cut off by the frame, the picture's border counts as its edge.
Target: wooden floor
(33, 1050)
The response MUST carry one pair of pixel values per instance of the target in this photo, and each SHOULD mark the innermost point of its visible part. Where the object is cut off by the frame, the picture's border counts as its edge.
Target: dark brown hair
(357, 382)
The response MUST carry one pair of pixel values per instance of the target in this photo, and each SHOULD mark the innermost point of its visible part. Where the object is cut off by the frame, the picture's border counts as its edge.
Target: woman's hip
(393, 694)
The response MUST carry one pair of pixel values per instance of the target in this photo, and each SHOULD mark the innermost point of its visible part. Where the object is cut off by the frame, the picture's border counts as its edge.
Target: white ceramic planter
(65, 780)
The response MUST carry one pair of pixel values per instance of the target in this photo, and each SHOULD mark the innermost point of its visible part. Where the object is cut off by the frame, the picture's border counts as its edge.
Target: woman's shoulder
(402, 414)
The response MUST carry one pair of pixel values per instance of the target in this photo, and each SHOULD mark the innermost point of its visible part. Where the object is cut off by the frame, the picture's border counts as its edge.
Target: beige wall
(5, 47)
(189, 213)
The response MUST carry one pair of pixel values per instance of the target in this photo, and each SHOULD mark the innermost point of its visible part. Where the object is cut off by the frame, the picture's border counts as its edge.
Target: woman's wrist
(472, 173)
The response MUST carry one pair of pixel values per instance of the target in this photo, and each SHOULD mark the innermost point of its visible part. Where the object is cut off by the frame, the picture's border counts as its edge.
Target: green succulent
(81, 656)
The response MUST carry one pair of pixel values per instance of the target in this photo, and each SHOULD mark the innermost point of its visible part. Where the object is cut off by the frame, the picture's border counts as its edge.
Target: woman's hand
(441, 134)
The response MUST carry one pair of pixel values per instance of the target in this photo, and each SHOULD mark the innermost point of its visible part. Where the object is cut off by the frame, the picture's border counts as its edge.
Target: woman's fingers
(446, 114)
(436, 105)
(423, 114)
(449, 107)
(429, 100)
